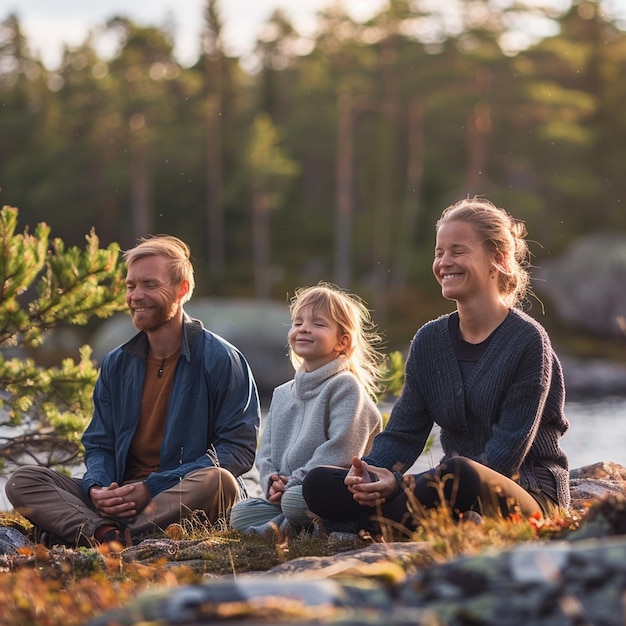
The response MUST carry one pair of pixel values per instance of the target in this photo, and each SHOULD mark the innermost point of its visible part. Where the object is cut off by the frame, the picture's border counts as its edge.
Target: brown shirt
(145, 448)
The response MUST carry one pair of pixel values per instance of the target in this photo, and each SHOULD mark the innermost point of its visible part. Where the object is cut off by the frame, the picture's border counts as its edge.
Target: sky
(48, 24)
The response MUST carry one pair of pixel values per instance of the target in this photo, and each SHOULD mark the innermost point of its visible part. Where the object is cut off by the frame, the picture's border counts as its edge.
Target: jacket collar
(138, 345)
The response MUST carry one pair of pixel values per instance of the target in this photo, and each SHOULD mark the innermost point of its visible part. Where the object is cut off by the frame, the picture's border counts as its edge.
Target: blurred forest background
(326, 157)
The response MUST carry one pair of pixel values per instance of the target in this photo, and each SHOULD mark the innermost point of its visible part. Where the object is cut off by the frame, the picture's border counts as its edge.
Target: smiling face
(462, 265)
(316, 338)
(150, 296)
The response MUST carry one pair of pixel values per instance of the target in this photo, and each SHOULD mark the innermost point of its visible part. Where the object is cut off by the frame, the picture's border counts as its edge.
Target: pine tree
(44, 286)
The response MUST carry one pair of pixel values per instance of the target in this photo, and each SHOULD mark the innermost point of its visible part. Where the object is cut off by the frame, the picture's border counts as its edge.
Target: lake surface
(597, 433)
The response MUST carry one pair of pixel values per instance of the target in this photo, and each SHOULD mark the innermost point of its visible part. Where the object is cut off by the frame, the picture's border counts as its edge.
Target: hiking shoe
(471, 516)
(113, 534)
(47, 539)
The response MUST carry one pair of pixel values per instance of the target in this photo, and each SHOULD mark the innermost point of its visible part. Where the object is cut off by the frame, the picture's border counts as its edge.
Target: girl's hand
(277, 487)
(364, 489)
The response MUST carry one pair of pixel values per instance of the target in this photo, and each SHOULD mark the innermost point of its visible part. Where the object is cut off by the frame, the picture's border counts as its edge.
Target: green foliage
(393, 377)
(43, 287)
(393, 380)
(267, 161)
(340, 149)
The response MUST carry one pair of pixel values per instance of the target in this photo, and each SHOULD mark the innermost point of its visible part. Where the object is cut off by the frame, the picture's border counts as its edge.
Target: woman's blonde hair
(352, 316)
(174, 250)
(501, 233)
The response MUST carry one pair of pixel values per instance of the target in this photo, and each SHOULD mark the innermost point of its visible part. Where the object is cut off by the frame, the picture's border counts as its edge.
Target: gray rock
(11, 540)
(544, 584)
(558, 585)
(251, 597)
(594, 482)
(593, 377)
(407, 555)
(258, 328)
(583, 284)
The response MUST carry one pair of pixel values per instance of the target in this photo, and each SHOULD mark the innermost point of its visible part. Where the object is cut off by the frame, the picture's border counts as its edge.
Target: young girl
(326, 414)
(487, 374)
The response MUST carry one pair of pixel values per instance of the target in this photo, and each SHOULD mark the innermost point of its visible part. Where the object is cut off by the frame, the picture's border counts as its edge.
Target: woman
(487, 375)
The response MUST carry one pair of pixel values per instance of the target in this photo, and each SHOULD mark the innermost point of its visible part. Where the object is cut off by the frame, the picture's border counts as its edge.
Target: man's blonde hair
(174, 250)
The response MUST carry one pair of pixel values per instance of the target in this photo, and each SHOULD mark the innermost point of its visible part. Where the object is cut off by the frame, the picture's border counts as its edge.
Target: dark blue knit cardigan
(516, 393)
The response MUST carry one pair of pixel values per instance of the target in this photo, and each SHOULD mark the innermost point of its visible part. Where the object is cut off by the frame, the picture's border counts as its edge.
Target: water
(597, 433)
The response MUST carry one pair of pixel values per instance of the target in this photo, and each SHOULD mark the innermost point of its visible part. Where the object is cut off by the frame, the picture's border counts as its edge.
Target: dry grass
(70, 587)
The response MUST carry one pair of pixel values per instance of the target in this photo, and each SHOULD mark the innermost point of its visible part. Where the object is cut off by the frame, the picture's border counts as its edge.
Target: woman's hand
(366, 491)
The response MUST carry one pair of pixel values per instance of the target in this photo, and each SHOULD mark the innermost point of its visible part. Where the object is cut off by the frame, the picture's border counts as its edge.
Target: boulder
(596, 482)
(598, 378)
(583, 284)
(258, 328)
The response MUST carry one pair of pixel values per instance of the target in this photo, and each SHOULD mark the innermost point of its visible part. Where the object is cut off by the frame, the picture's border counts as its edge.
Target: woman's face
(462, 265)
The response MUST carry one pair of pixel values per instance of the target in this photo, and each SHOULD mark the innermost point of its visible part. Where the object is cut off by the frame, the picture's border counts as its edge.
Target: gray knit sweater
(516, 391)
(324, 417)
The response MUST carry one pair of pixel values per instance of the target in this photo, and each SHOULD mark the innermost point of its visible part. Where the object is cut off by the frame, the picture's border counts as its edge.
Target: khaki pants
(58, 504)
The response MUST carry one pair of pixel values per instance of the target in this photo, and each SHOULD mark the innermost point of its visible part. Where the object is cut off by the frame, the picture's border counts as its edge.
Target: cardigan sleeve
(410, 423)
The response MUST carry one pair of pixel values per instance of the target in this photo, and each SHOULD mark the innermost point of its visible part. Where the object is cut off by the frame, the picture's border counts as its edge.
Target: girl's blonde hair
(500, 233)
(174, 250)
(352, 316)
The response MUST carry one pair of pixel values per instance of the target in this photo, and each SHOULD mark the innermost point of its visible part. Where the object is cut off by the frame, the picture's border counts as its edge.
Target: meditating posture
(175, 421)
(326, 414)
(487, 375)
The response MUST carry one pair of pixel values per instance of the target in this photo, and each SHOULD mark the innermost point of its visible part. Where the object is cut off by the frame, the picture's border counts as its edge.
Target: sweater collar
(306, 383)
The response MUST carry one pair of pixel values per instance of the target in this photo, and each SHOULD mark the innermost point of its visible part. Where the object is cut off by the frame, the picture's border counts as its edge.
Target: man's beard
(159, 317)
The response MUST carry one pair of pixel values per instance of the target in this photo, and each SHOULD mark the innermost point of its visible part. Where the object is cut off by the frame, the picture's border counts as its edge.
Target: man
(176, 417)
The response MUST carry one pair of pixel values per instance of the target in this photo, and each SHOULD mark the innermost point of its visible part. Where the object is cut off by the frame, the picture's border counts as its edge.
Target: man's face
(151, 298)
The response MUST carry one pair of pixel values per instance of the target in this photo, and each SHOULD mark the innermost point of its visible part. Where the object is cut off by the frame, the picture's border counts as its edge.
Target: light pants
(58, 504)
(258, 511)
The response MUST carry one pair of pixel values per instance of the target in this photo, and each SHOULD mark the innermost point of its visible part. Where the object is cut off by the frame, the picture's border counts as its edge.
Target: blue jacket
(214, 411)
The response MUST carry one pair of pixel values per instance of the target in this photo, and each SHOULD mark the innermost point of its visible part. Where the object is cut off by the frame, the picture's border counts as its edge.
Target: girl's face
(462, 265)
(316, 338)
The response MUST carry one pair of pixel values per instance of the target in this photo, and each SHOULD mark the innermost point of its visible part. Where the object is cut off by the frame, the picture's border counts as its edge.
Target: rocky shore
(573, 577)
(579, 579)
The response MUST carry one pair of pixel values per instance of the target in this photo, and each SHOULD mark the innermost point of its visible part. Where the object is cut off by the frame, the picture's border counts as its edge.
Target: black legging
(465, 484)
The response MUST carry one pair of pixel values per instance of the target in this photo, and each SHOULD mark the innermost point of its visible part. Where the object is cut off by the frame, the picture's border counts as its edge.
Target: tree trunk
(139, 186)
(215, 180)
(413, 189)
(343, 226)
(478, 131)
(384, 209)
(260, 245)
(215, 66)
